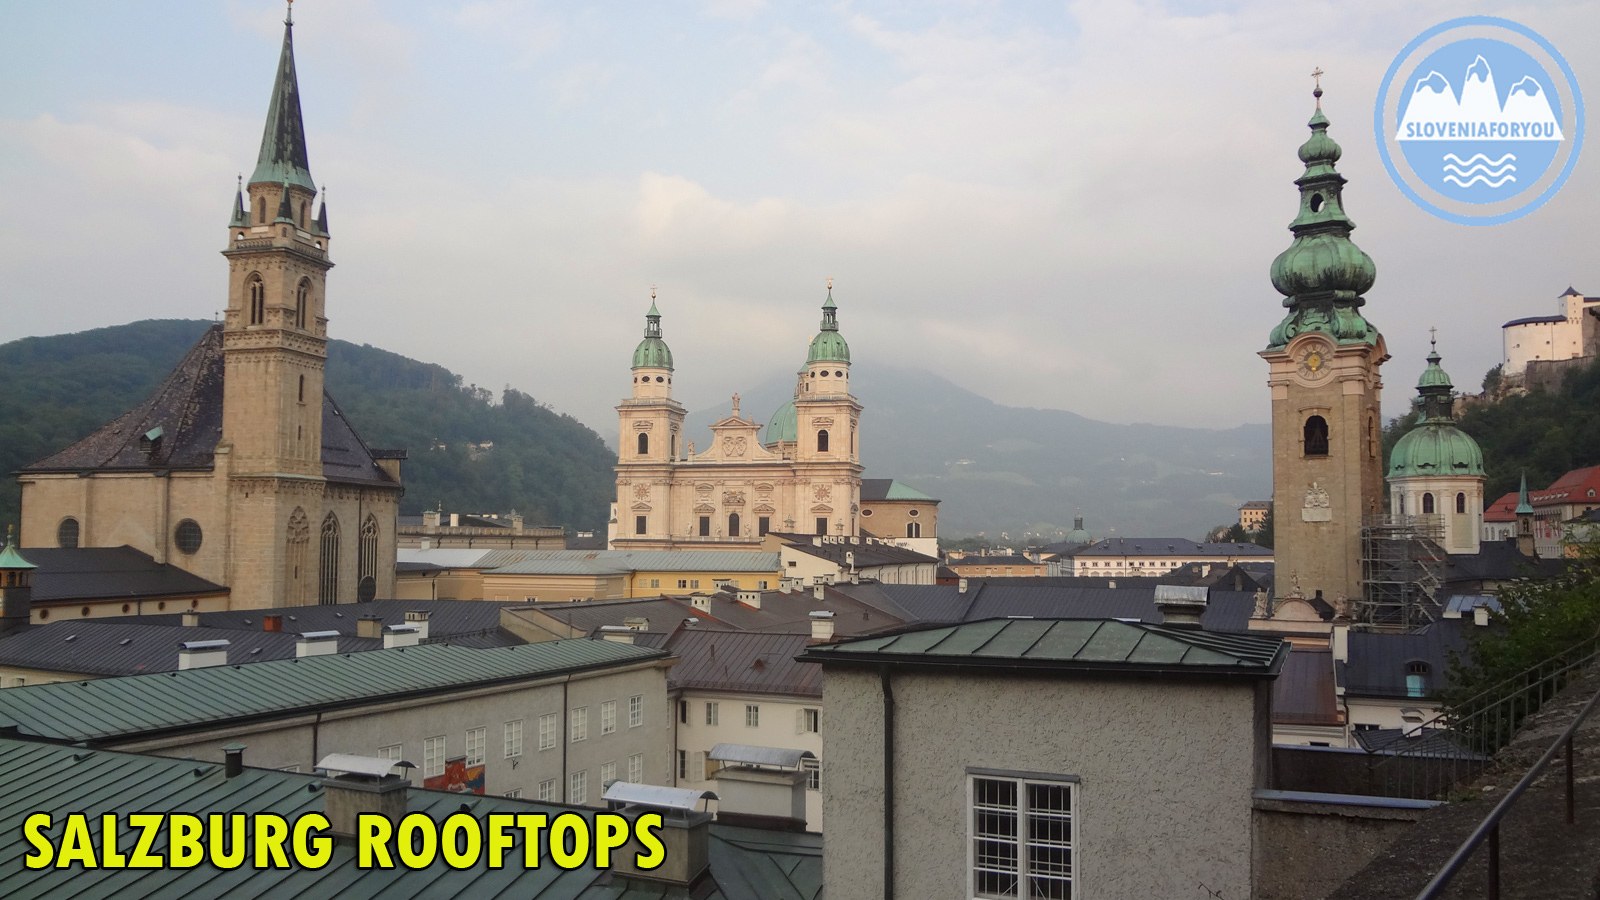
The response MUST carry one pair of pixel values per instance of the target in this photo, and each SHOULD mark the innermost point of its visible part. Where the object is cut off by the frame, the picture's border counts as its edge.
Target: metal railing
(1456, 745)
(1489, 829)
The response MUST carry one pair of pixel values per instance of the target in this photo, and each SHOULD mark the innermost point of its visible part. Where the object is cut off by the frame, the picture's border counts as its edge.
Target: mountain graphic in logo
(1434, 113)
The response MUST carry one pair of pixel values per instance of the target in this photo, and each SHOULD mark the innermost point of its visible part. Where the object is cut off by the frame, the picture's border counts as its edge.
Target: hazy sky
(1070, 205)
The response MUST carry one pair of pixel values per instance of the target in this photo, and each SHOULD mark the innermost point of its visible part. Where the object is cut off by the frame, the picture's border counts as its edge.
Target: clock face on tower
(1314, 361)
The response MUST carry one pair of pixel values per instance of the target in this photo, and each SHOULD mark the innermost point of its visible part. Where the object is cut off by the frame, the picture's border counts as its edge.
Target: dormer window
(1416, 679)
(150, 441)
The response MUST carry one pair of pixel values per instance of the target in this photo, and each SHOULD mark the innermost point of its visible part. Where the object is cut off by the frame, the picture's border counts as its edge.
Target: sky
(1065, 205)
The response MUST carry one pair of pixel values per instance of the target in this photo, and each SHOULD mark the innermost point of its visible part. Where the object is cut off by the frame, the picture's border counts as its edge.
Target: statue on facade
(1295, 590)
(1263, 605)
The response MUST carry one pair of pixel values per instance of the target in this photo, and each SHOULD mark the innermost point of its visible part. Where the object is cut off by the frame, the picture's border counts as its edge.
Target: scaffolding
(1402, 567)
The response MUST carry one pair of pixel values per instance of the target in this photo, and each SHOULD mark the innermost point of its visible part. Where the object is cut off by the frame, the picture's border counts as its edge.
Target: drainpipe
(563, 737)
(888, 784)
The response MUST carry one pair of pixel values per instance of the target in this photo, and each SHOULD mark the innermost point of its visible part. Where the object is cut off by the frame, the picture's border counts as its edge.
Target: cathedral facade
(802, 475)
(240, 468)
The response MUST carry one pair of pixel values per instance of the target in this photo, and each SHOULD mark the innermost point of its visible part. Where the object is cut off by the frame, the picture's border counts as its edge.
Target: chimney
(191, 619)
(637, 623)
(622, 634)
(455, 520)
(233, 760)
(1341, 643)
(821, 625)
(1181, 605)
(430, 520)
(358, 785)
(369, 627)
(1480, 614)
(272, 622)
(961, 586)
(516, 522)
(317, 643)
(701, 602)
(419, 618)
(400, 636)
(819, 592)
(202, 654)
(16, 587)
(685, 835)
(751, 599)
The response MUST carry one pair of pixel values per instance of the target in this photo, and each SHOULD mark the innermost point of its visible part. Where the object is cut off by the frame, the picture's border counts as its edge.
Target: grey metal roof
(746, 863)
(65, 575)
(866, 554)
(750, 754)
(111, 708)
(656, 795)
(1535, 320)
(605, 561)
(1226, 611)
(444, 557)
(1158, 546)
(1063, 644)
(875, 490)
(1378, 659)
(744, 662)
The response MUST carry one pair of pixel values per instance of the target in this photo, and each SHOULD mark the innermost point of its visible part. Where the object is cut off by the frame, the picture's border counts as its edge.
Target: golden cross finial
(652, 292)
(830, 282)
(1316, 77)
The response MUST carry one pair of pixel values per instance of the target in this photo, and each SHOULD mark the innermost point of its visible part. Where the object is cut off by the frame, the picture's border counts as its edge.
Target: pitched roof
(1535, 320)
(879, 489)
(747, 662)
(1157, 546)
(605, 562)
(1378, 659)
(1504, 509)
(1576, 486)
(1304, 693)
(996, 559)
(1081, 645)
(64, 575)
(867, 553)
(785, 613)
(1226, 611)
(746, 863)
(111, 708)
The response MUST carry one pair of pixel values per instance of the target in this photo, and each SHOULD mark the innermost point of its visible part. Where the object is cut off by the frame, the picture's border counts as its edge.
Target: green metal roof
(746, 863)
(1434, 376)
(784, 425)
(10, 558)
(1062, 644)
(899, 490)
(829, 345)
(1435, 448)
(283, 141)
(1524, 508)
(652, 352)
(111, 708)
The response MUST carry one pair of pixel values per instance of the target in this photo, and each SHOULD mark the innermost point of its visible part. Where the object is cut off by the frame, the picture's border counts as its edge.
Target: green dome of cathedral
(1433, 376)
(1436, 446)
(829, 345)
(652, 352)
(784, 425)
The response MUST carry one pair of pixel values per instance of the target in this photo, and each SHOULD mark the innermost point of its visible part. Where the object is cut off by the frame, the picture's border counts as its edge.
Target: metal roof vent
(317, 643)
(685, 831)
(358, 785)
(1181, 606)
(202, 654)
(401, 636)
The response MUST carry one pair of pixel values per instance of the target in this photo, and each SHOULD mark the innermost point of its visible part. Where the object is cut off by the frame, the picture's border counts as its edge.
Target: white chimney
(961, 586)
(317, 643)
(455, 520)
(701, 602)
(400, 636)
(191, 619)
(822, 625)
(1480, 614)
(819, 592)
(419, 618)
(202, 654)
(621, 634)
(751, 599)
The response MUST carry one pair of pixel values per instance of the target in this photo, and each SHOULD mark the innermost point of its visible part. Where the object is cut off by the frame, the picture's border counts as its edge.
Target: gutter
(888, 783)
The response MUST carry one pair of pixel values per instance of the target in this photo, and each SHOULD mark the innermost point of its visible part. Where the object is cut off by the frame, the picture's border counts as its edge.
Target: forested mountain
(468, 449)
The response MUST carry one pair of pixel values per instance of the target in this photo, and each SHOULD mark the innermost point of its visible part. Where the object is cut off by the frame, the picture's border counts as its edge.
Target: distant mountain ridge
(1002, 468)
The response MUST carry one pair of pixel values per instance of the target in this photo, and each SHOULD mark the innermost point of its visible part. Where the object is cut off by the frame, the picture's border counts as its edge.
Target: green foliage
(965, 545)
(1492, 379)
(545, 465)
(1262, 537)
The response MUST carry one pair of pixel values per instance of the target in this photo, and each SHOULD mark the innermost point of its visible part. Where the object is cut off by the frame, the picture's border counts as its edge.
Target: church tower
(1327, 466)
(1436, 469)
(828, 422)
(651, 431)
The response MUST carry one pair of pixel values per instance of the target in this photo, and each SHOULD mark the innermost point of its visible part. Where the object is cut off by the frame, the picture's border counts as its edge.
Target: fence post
(1572, 809)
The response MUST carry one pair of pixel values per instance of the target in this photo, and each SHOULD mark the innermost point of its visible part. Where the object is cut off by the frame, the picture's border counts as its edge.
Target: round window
(838, 374)
(188, 536)
(912, 514)
(67, 533)
(865, 513)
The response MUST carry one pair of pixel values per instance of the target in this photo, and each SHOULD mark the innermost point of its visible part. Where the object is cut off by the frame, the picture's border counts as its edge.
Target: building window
(763, 525)
(639, 525)
(1316, 436)
(578, 788)
(655, 582)
(67, 533)
(1461, 503)
(547, 732)
(302, 296)
(514, 794)
(683, 712)
(367, 558)
(261, 210)
(712, 713)
(761, 585)
(752, 715)
(635, 710)
(644, 443)
(694, 583)
(809, 721)
(813, 770)
(733, 525)
(608, 718)
(328, 583)
(822, 524)
(1021, 832)
(477, 740)
(578, 724)
(187, 537)
(705, 526)
(547, 790)
(391, 753)
(683, 765)
(294, 559)
(513, 738)
(683, 584)
(1416, 679)
(822, 441)
(608, 774)
(1427, 504)
(636, 768)
(258, 300)
(433, 756)
(913, 529)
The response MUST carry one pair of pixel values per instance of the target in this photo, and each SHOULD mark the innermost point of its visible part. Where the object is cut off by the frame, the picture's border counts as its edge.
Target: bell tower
(827, 450)
(650, 440)
(1327, 456)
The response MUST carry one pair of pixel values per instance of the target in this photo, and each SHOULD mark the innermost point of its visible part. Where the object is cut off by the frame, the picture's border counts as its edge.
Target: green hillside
(547, 466)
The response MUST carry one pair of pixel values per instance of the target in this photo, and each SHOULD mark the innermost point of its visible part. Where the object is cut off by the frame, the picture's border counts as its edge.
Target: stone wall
(1302, 849)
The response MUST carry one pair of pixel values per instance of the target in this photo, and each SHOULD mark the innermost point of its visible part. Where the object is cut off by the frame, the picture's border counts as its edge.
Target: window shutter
(698, 770)
(800, 721)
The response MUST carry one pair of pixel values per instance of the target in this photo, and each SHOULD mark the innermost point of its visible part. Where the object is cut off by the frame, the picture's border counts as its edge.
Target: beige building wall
(889, 519)
(780, 722)
(1166, 773)
(1463, 531)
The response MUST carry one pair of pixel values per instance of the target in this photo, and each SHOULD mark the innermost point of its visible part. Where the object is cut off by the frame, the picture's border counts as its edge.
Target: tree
(1263, 535)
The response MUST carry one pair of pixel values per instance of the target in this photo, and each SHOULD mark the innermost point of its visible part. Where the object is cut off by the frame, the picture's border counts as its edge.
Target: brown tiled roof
(1303, 694)
(743, 661)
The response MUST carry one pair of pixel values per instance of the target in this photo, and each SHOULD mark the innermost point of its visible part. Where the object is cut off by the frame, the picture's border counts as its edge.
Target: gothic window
(261, 210)
(67, 533)
(302, 296)
(328, 576)
(1427, 504)
(822, 441)
(639, 524)
(367, 559)
(299, 541)
(258, 300)
(644, 443)
(1316, 436)
(1461, 503)
(733, 525)
(302, 214)
(705, 526)
(913, 529)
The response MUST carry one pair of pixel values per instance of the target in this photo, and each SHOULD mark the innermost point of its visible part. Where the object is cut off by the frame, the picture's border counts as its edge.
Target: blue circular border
(1381, 134)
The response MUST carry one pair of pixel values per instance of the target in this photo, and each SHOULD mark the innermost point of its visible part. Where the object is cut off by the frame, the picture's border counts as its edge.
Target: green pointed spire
(322, 213)
(1323, 274)
(9, 557)
(829, 345)
(240, 218)
(1524, 508)
(652, 352)
(283, 142)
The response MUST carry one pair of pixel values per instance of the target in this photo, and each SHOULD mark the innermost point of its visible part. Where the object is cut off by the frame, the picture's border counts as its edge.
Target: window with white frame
(635, 710)
(752, 715)
(1021, 832)
(712, 713)
(683, 765)
(433, 756)
(391, 753)
(547, 732)
(477, 742)
(513, 738)
(813, 770)
(608, 774)
(807, 721)
(608, 717)
(578, 788)
(578, 722)
(514, 793)
(547, 790)
(636, 769)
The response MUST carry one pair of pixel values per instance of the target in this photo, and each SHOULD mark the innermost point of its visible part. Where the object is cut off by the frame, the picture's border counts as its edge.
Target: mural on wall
(458, 778)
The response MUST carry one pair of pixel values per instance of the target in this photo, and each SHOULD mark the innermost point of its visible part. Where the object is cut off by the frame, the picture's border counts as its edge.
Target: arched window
(822, 441)
(914, 529)
(294, 572)
(733, 525)
(302, 214)
(1427, 504)
(367, 560)
(302, 296)
(328, 577)
(302, 389)
(261, 210)
(644, 443)
(1461, 503)
(1316, 436)
(1416, 679)
(67, 533)
(257, 290)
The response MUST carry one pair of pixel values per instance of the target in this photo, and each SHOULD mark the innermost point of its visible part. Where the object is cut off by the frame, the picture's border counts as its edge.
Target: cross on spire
(1316, 76)
(1433, 338)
